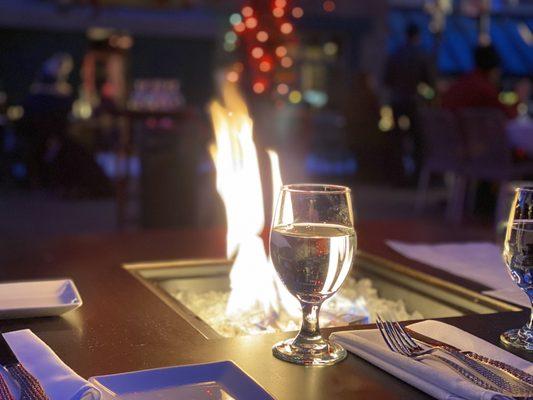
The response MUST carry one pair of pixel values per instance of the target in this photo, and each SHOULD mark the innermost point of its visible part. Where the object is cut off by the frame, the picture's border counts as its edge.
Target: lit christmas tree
(262, 34)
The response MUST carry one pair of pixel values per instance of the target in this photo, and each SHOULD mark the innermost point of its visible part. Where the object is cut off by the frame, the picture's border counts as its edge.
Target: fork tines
(395, 337)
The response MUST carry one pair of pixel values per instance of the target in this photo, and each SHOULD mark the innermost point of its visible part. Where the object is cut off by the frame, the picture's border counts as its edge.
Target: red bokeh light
(281, 51)
(278, 12)
(286, 62)
(297, 12)
(232, 76)
(265, 66)
(329, 5)
(240, 27)
(257, 52)
(258, 87)
(251, 23)
(286, 28)
(262, 36)
(247, 11)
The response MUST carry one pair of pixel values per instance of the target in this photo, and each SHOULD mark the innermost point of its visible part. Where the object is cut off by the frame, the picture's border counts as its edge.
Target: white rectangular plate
(30, 299)
(213, 381)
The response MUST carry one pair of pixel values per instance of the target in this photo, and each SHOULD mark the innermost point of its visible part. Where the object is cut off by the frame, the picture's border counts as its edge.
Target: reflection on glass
(518, 257)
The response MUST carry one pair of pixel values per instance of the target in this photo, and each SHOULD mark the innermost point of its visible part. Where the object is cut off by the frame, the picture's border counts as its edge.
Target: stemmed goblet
(518, 257)
(312, 245)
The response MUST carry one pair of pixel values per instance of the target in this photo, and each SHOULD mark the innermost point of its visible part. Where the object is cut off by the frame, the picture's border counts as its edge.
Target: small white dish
(213, 381)
(28, 299)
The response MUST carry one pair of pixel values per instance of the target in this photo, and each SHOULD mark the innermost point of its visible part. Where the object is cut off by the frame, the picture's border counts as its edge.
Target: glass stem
(529, 325)
(310, 330)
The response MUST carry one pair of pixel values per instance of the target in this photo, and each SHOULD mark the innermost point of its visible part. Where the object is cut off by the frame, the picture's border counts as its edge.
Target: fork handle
(464, 372)
(505, 368)
(508, 383)
(30, 388)
(5, 394)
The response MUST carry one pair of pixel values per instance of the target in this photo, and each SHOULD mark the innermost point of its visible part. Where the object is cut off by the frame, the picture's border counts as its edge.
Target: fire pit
(198, 290)
(244, 296)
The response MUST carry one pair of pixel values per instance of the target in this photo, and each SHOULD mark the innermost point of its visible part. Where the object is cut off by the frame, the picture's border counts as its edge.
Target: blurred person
(46, 111)
(53, 159)
(362, 110)
(405, 70)
(479, 88)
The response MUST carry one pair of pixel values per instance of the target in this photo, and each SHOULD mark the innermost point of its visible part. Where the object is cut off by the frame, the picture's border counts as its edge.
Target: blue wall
(460, 37)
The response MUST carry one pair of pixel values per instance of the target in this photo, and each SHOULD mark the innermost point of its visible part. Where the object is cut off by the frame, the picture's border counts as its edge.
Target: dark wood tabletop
(122, 326)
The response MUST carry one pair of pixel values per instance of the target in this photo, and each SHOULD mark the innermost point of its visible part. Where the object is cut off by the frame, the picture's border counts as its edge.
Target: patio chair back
(486, 140)
(443, 143)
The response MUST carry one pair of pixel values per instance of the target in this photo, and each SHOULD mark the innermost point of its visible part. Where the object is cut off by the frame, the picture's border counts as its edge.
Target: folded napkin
(57, 379)
(429, 376)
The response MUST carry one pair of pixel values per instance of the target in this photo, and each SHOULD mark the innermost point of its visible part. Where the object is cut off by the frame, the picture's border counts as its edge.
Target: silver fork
(509, 377)
(400, 342)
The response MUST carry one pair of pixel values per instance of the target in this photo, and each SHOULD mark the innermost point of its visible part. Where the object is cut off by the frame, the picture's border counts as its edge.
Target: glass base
(518, 338)
(328, 354)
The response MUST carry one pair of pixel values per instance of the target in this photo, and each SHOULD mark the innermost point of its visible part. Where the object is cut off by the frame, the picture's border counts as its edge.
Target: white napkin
(431, 377)
(478, 261)
(512, 294)
(57, 379)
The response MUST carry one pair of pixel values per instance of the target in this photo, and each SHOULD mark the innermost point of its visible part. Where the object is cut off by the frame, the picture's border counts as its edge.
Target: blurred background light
(286, 62)
(295, 97)
(235, 19)
(258, 87)
(251, 23)
(281, 51)
(329, 5)
(265, 66)
(316, 98)
(257, 52)
(262, 36)
(297, 12)
(283, 89)
(278, 12)
(247, 11)
(286, 28)
(330, 48)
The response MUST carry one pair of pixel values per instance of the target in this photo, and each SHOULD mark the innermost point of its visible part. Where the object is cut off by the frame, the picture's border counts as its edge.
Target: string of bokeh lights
(264, 33)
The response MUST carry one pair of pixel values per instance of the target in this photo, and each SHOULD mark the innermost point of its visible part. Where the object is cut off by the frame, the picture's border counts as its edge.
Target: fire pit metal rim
(201, 326)
(209, 333)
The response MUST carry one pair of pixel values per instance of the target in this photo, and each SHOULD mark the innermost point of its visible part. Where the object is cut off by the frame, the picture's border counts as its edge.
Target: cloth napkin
(429, 376)
(57, 379)
(511, 294)
(478, 261)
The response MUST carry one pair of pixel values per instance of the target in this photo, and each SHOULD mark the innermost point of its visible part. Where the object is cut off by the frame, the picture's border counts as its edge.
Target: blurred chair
(443, 148)
(489, 153)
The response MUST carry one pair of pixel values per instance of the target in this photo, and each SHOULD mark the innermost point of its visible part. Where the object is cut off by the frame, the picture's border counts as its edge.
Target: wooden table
(122, 326)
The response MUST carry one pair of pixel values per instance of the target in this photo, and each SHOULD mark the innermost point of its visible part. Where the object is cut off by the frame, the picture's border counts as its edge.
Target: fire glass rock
(356, 302)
